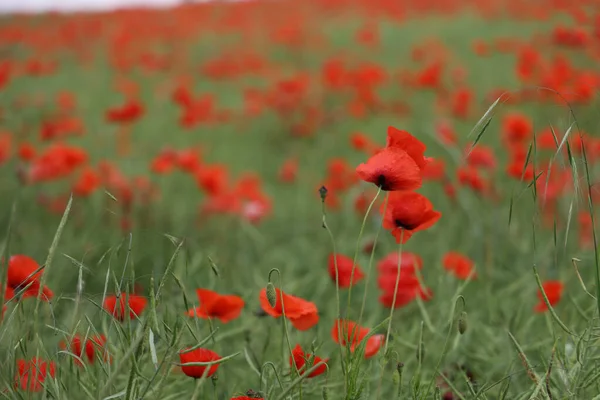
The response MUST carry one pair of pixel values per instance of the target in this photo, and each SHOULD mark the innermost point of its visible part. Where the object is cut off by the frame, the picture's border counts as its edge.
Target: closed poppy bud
(397, 379)
(325, 393)
(271, 295)
(462, 322)
(323, 192)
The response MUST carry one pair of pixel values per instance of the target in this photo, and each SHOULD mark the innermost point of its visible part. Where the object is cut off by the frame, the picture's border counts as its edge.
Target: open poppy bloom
(407, 213)
(22, 274)
(516, 128)
(459, 264)
(32, 374)
(300, 360)
(553, 290)
(135, 305)
(409, 287)
(125, 113)
(344, 270)
(352, 333)
(302, 314)
(213, 305)
(195, 356)
(398, 166)
(92, 344)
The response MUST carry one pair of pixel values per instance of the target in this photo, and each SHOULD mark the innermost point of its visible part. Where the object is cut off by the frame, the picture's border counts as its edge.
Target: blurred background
(33, 6)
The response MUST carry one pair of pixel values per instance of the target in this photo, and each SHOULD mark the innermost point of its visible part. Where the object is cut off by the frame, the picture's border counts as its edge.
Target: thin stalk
(370, 268)
(337, 283)
(389, 328)
(360, 233)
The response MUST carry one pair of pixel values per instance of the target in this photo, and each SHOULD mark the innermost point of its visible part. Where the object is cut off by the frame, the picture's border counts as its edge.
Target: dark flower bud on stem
(323, 192)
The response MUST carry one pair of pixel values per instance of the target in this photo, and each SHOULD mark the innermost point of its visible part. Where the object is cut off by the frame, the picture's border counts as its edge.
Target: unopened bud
(254, 395)
(271, 294)
(325, 393)
(462, 322)
(323, 192)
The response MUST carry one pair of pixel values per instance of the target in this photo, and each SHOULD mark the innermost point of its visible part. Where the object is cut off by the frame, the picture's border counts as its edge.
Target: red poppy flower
(198, 355)
(434, 170)
(257, 397)
(300, 359)
(470, 176)
(517, 128)
(516, 167)
(22, 272)
(250, 395)
(445, 132)
(32, 374)
(87, 183)
(188, 160)
(398, 166)
(480, 156)
(26, 151)
(362, 142)
(409, 286)
(302, 314)
(212, 178)
(213, 305)
(353, 334)
(391, 169)
(341, 175)
(288, 171)
(344, 270)
(553, 290)
(459, 264)
(546, 140)
(135, 304)
(407, 213)
(128, 112)
(92, 344)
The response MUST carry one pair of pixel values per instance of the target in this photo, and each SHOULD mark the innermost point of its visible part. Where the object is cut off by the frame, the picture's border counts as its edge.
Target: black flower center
(405, 224)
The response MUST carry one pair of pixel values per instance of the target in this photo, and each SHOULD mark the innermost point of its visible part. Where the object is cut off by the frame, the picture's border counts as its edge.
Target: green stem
(337, 284)
(285, 330)
(389, 328)
(370, 268)
(362, 228)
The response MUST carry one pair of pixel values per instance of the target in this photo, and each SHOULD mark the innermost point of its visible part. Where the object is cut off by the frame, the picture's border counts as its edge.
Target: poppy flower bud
(462, 322)
(323, 192)
(325, 393)
(271, 294)
(399, 367)
(254, 395)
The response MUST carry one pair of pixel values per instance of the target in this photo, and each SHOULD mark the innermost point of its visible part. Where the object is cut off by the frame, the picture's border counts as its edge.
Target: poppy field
(321, 199)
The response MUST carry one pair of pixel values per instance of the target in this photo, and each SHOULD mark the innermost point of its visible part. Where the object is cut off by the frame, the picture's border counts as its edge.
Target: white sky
(76, 5)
